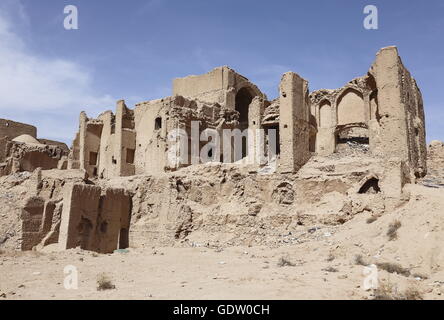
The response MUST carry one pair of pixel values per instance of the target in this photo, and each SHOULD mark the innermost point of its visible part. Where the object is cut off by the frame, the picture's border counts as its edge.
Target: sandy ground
(323, 264)
(180, 273)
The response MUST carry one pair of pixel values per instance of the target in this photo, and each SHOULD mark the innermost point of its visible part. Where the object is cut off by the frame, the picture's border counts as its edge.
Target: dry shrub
(392, 231)
(393, 268)
(104, 283)
(359, 260)
(331, 257)
(387, 291)
(330, 269)
(372, 219)
(413, 294)
(284, 262)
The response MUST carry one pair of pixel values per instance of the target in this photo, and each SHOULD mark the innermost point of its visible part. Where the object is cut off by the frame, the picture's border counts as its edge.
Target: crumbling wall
(217, 86)
(37, 217)
(294, 127)
(401, 112)
(12, 129)
(20, 157)
(93, 220)
(74, 154)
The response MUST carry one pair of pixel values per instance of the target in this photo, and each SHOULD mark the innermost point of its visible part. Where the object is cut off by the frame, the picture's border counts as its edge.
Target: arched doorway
(243, 100)
(352, 137)
(242, 104)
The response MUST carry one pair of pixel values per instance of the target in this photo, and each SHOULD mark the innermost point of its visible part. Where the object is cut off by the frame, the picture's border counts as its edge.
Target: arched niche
(243, 99)
(350, 107)
(325, 114)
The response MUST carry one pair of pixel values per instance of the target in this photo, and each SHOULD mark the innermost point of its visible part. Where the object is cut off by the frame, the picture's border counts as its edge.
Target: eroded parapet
(37, 215)
(93, 220)
(401, 112)
(221, 85)
(18, 156)
(294, 129)
(12, 129)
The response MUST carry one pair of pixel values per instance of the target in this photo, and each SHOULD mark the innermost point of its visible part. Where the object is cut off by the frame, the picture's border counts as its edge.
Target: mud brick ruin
(358, 145)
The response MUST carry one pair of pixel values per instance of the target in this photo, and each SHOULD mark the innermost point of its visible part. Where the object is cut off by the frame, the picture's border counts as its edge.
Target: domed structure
(26, 138)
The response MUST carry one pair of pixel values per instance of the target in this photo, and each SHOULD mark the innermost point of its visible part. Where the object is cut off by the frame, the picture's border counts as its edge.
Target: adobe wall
(125, 140)
(294, 127)
(401, 112)
(37, 215)
(210, 86)
(94, 220)
(12, 129)
(151, 125)
(59, 144)
(217, 86)
(375, 112)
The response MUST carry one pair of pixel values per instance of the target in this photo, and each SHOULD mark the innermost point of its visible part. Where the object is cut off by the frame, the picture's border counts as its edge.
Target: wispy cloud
(31, 84)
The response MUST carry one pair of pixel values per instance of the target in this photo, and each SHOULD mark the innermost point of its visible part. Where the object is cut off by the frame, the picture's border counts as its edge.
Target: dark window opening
(130, 154)
(273, 136)
(243, 100)
(312, 143)
(93, 156)
(123, 239)
(83, 233)
(371, 186)
(158, 123)
(356, 140)
(103, 227)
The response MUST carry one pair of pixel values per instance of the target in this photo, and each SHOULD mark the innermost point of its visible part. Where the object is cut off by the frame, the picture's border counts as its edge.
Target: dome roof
(26, 138)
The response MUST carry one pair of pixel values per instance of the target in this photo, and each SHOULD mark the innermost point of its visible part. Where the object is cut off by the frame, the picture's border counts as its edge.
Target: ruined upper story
(380, 114)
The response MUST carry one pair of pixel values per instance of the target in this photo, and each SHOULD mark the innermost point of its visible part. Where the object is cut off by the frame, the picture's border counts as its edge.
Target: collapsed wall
(19, 156)
(12, 129)
(95, 221)
(382, 111)
(20, 150)
(338, 153)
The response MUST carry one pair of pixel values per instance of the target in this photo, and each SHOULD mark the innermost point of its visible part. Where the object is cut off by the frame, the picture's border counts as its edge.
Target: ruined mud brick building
(20, 150)
(340, 153)
(383, 109)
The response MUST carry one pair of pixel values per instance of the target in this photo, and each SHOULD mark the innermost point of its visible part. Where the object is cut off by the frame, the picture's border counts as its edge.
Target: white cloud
(31, 84)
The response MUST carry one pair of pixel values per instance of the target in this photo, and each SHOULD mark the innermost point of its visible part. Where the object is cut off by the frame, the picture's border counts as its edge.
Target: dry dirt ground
(327, 263)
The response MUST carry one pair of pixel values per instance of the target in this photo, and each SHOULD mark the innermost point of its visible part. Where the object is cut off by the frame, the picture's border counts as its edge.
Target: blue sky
(133, 49)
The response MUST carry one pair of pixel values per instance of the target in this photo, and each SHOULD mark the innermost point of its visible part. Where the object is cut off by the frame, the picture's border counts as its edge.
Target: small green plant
(392, 231)
(104, 283)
